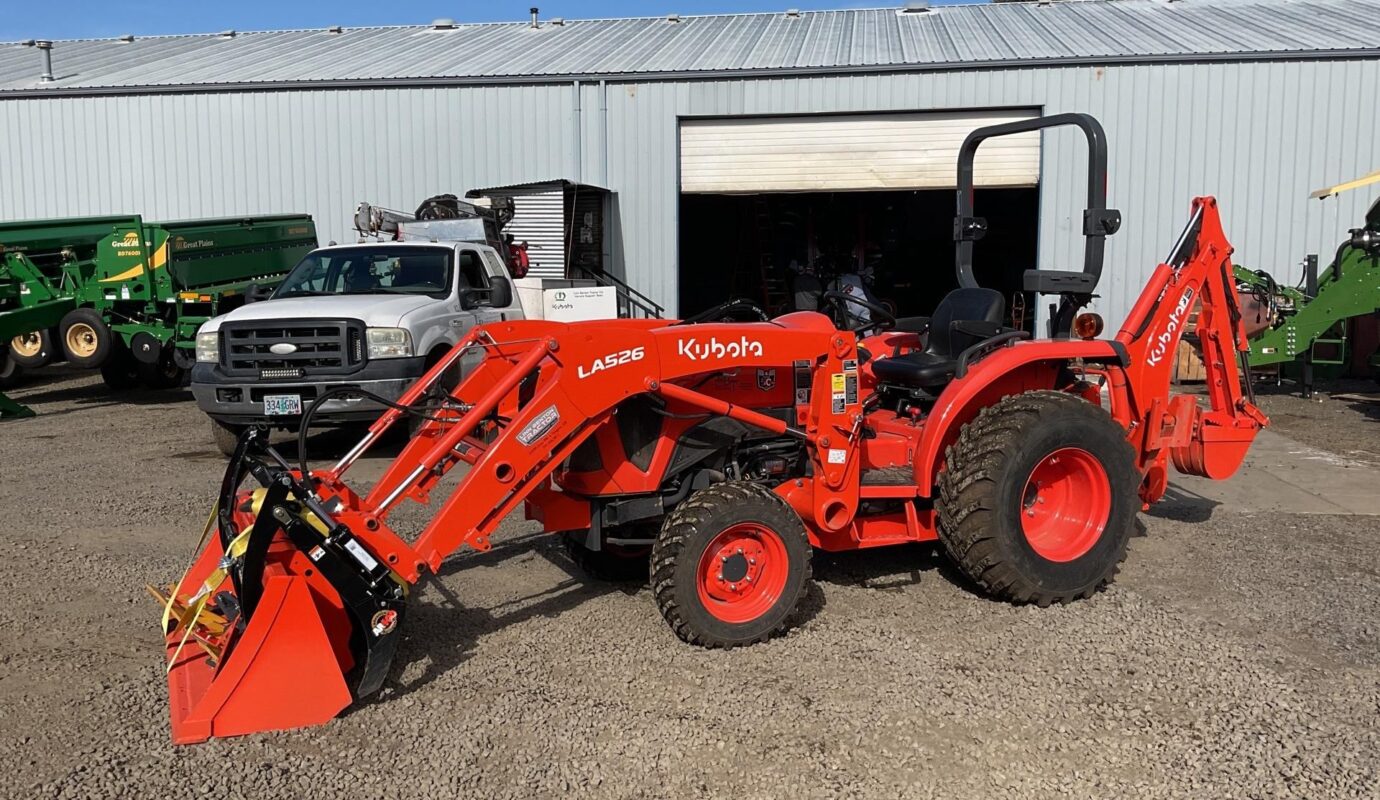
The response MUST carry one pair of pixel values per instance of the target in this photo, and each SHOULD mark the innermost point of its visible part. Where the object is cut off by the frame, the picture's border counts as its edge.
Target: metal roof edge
(689, 75)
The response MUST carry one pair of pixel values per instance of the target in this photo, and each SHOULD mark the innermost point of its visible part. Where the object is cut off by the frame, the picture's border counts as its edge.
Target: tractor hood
(375, 311)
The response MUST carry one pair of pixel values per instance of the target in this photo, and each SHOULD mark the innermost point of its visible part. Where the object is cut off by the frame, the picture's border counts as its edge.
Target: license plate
(277, 405)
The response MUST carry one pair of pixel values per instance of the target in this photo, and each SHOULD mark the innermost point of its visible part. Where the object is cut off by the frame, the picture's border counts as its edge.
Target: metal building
(712, 135)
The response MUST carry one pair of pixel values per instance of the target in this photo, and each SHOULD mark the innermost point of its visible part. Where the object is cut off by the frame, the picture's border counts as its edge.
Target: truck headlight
(208, 347)
(389, 343)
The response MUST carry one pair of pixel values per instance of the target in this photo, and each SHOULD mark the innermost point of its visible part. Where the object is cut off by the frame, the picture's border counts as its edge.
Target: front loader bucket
(274, 626)
(283, 673)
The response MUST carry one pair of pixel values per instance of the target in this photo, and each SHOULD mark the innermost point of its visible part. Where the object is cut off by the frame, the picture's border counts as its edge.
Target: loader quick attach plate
(295, 594)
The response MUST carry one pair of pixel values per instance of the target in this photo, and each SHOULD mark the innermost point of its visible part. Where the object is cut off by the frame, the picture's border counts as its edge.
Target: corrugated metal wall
(1259, 135)
(539, 220)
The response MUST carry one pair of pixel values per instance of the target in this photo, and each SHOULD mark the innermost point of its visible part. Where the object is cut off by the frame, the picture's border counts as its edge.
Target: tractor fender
(1018, 367)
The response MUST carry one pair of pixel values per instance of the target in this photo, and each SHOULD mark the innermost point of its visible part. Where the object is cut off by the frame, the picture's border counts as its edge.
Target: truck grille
(318, 347)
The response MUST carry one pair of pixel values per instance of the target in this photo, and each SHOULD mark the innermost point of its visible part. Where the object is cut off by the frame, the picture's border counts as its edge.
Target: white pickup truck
(372, 316)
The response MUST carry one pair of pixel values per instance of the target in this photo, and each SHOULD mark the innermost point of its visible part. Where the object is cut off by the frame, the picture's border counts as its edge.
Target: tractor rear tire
(86, 340)
(612, 563)
(730, 565)
(33, 350)
(1039, 498)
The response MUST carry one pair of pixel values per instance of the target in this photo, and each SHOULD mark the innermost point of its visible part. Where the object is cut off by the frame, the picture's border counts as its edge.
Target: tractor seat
(962, 319)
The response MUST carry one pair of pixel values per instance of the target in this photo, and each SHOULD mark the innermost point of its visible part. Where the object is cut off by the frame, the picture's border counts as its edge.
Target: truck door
(477, 306)
(495, 268)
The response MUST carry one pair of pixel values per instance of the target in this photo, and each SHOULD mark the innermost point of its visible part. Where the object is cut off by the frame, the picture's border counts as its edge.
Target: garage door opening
(759, 246)
(773, 204)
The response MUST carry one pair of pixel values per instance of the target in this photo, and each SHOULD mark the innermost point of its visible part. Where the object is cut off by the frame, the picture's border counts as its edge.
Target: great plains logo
(612, 360)
(695, 350)
(131, 239)
(180, 243)
(1159, 345)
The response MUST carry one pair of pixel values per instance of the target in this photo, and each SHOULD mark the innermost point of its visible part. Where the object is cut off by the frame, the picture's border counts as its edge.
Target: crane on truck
(727, 452)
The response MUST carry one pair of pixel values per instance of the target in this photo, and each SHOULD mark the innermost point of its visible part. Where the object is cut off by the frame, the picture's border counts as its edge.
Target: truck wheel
(86, 339)
(165, 374)
(11, 374)
(612, 563)
(1039, 498)
(226, 436)
(730, 565)
(32, 350)
(120, 371)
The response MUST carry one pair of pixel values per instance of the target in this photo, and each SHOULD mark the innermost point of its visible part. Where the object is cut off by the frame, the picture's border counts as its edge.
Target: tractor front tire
(730, 565)
(1039, 498)
(612, 563)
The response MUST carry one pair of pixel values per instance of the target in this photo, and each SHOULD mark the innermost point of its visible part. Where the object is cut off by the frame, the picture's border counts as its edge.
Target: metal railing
(631, 303)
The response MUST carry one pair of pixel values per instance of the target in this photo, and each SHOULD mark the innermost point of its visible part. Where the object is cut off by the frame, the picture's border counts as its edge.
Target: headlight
(208, 347)
(389, 343)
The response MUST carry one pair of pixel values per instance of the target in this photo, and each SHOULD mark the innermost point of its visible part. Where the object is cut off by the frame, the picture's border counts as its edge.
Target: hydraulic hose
(305, 425)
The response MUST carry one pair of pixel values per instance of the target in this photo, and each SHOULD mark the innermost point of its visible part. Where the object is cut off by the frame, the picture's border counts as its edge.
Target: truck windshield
(371, 270)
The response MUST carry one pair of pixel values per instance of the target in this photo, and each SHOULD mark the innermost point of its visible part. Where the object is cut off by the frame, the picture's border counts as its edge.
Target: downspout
(579, 135)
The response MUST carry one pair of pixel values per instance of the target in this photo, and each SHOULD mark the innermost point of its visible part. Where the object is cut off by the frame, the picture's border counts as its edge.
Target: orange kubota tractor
(728, 452)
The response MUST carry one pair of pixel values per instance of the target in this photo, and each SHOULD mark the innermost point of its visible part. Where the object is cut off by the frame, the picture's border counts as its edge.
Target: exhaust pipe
(535, 12)
(46, 48)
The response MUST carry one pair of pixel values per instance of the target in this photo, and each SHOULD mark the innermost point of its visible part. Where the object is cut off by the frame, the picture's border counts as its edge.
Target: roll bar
(1075, 289)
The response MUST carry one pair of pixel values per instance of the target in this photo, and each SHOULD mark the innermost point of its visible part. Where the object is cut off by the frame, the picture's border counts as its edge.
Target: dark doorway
(757, 246)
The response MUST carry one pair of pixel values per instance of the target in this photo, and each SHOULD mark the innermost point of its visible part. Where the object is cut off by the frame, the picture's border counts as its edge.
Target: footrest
(890, 476)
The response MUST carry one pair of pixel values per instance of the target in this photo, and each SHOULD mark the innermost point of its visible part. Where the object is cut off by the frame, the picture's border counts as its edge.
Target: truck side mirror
(470, 297)
(254, 292)
(500, 292)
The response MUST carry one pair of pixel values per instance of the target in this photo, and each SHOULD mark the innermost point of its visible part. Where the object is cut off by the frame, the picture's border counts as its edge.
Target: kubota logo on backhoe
(1159, 345)
(695, 350)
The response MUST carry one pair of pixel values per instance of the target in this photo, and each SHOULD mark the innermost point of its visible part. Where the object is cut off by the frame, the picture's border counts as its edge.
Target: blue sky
(75, 19)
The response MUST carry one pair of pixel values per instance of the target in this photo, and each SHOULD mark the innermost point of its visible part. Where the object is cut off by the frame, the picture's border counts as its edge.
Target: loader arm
(1212, 443)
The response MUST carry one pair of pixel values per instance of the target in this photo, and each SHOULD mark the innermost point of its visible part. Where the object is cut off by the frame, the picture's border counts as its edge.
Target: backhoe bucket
(268, 628)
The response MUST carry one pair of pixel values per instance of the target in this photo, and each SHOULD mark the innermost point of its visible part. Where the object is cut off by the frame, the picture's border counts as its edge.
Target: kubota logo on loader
(695, 350)
(1160, 344)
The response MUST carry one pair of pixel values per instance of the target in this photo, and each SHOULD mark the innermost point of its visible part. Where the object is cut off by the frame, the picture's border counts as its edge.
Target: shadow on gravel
(97, 394)
(1182, 505)
(446, 630)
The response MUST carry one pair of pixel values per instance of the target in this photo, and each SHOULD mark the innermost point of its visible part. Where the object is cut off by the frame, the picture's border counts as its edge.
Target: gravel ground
(1237, 657)
(1347, 427)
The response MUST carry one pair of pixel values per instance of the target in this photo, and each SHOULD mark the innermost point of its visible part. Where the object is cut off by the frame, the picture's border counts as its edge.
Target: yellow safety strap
(196, 605)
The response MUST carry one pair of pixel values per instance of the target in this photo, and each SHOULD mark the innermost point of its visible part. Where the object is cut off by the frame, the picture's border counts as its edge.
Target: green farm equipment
(125, 296)
(1308, 325)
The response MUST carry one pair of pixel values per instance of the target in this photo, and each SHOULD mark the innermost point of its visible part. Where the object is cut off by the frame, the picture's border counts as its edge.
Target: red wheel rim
(742, 572)
(1066, 504)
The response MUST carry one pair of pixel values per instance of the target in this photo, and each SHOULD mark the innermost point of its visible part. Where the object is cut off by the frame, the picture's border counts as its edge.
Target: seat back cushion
(965, 304)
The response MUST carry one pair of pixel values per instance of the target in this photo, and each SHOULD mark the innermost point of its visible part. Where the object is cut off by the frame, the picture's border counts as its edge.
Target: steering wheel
(882, 319)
